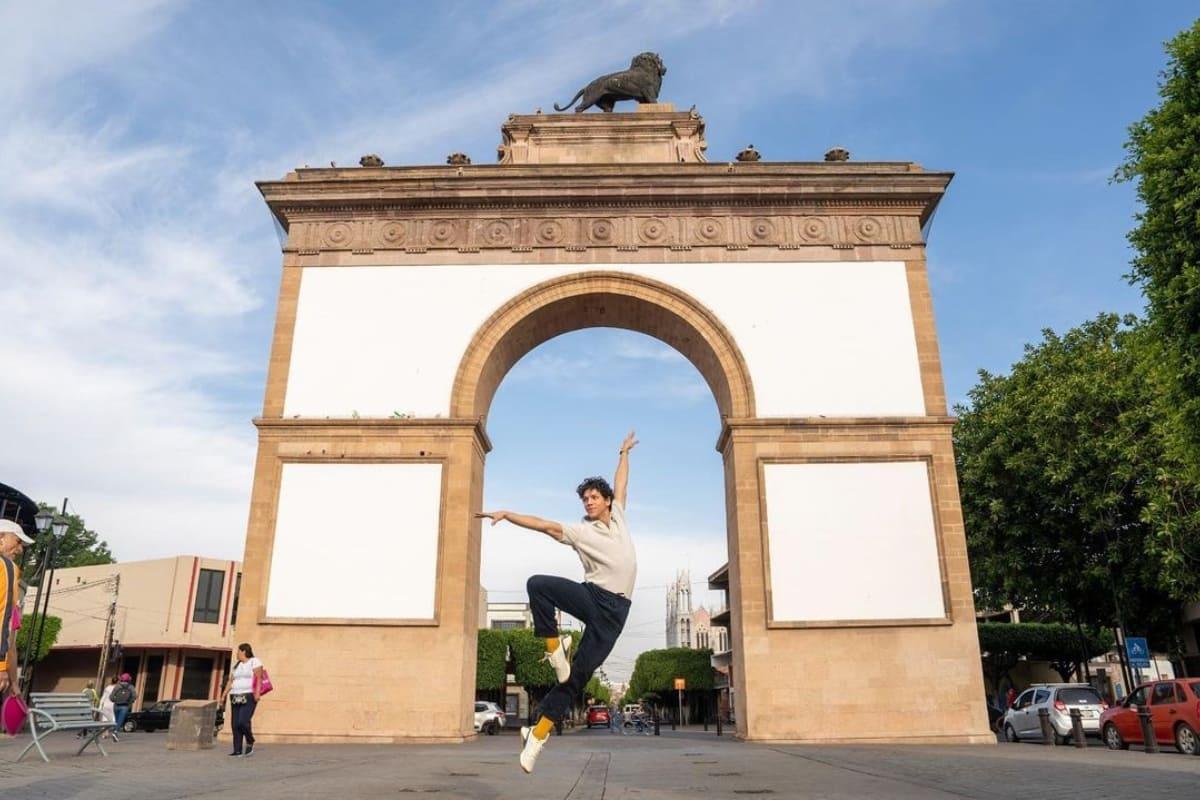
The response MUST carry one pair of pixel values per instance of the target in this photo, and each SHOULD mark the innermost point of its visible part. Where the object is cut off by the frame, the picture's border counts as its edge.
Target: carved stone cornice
(525, 207)
(628, 232)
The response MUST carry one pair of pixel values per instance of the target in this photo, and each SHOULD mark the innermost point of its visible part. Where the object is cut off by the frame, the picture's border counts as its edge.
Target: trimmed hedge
(1042, 641)
(530, 668)
(491, 660)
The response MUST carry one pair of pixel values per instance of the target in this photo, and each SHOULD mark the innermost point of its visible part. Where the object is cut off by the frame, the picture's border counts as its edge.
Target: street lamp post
(45, 520)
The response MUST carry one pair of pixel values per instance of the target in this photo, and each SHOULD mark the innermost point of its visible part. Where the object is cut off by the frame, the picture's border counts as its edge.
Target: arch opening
(602, 299)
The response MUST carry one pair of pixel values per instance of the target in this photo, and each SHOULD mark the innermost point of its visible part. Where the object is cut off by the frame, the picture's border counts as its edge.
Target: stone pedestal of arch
(798, 290)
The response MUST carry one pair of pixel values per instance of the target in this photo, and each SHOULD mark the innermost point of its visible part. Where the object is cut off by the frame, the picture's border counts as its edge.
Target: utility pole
(109, 629)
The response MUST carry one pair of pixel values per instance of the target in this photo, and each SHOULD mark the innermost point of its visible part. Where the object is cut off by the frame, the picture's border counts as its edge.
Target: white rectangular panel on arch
(834, 339)
(852, 542)
(379, 521)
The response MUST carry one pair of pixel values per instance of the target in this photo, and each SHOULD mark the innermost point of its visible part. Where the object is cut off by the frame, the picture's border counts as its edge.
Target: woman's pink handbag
(264, 685)
(14, 713)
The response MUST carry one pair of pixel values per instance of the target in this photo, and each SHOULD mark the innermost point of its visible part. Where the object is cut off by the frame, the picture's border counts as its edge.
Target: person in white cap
(12, 544)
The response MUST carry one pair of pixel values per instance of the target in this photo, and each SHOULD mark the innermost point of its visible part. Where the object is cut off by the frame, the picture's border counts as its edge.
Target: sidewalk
(590, 765)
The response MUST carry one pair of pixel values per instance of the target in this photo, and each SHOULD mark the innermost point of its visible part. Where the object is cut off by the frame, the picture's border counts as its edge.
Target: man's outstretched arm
(548, 527)
(621, 479)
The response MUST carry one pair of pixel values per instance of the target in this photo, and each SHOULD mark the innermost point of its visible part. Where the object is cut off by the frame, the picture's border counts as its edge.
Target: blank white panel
(819, 338)
(379, 521)
(852, 541)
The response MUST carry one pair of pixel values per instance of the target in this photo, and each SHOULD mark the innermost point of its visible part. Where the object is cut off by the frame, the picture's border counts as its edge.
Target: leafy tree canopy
(1163, 159)
(655, 671)
(1054, 461)
(78, 547)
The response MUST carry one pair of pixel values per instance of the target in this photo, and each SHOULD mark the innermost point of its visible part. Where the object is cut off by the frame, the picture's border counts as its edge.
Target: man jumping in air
(601, 602)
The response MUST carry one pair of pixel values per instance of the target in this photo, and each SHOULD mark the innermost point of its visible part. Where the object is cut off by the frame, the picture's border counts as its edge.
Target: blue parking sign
(1138, 652)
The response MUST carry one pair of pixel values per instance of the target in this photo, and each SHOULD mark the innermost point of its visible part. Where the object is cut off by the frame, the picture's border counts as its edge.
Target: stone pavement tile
(595, 765)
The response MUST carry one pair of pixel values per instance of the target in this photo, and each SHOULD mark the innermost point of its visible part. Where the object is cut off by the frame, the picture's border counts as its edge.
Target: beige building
(722, 657)
(171, 623)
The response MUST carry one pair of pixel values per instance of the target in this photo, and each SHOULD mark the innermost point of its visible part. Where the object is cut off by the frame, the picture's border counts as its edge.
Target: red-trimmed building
(171, 622)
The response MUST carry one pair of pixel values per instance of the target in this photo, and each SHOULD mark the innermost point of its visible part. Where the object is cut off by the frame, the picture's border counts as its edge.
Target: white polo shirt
(606, 551)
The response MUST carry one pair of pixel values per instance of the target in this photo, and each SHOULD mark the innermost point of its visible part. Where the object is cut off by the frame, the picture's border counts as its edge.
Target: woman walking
(242, 689)
(122, 699)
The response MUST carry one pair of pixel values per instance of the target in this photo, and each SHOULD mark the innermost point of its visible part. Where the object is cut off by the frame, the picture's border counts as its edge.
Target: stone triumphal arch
(798, 289)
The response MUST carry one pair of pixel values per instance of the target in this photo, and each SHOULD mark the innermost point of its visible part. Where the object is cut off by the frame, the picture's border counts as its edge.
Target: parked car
(597, 715)
(1174, 713)
(1021, 721)
(158, 717)
(489, 718)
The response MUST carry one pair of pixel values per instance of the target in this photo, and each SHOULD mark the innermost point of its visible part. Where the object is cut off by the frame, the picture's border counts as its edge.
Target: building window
(507, 624)
(237, 594)
(208, 596)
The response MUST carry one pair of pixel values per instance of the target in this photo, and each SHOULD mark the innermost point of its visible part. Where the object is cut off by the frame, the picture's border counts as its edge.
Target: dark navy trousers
(603, 615)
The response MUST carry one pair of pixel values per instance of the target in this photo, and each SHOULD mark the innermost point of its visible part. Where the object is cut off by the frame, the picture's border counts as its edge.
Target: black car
(158, 716)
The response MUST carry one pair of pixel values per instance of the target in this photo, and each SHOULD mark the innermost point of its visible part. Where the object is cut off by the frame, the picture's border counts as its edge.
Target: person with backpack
(122, 700)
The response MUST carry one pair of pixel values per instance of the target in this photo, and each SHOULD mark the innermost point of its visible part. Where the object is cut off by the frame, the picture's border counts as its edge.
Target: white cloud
(136, 254)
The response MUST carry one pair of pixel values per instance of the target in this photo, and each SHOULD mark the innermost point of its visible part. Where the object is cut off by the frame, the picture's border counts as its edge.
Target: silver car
(1021, 720)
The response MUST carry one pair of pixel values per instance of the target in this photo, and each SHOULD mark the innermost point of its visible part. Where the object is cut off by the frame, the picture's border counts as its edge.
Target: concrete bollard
(192, 725)
(1150, 743)
(1077, 734)
(1047, 728)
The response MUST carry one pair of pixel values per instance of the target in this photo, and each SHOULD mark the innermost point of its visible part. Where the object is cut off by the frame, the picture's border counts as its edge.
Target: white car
(1021, 721)
(488, 717)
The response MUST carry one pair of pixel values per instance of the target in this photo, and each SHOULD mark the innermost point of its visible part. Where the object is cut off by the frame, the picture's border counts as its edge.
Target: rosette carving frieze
(623, 232)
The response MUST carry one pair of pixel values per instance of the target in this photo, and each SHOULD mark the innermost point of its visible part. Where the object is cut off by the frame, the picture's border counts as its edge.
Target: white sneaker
(560, 659)
(532, 746)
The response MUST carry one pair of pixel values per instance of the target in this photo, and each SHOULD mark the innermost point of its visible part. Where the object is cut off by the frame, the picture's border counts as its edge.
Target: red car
(1174, 713)
(597, 715)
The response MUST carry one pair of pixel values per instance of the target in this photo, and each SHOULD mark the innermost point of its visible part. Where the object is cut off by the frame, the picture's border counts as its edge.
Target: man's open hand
(629, 443)
(494, 516)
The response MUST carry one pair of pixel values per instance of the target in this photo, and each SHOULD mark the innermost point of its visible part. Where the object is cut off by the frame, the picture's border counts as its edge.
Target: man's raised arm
(621, 479)
(548, 527)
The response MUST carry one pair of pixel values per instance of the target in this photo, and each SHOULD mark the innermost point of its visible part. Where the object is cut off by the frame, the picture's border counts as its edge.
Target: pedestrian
(242, 689)
(89, 691)
(614, 721)
(12, 544)
(107, 712)
(122, 699)
(1010, 698)
(601, 602)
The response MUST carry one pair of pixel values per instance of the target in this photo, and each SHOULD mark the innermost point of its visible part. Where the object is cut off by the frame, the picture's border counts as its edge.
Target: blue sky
(140, 265)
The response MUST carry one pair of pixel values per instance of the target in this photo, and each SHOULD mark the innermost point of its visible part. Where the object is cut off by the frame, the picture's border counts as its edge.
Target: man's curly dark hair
(597, 483)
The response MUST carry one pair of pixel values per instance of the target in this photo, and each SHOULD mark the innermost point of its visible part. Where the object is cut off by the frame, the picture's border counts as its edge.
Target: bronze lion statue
(640, 82)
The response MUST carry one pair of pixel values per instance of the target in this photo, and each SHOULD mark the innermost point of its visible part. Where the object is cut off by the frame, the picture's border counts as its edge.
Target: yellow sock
(552, 644)
(543, 728)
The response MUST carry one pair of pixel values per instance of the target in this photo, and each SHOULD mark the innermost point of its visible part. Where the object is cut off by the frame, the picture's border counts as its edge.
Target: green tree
(597, 691)
(655, 671)
(78, 547)
(50, 632)
(1163, 159)
(1054, 460)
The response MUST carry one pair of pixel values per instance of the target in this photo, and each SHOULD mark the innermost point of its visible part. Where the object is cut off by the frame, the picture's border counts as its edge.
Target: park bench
(53, 712)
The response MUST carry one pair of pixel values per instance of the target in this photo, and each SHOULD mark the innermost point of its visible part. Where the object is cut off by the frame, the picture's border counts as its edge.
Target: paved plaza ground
(594, 765)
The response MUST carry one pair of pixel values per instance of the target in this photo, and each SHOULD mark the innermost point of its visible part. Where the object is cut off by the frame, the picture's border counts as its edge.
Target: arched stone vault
(601, 299)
